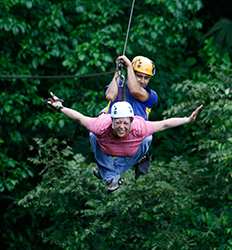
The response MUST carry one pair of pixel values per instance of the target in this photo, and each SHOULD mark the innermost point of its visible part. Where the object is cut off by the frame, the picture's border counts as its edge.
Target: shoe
(96, 173)
(112, 186)
(120, 181)
(142, 167)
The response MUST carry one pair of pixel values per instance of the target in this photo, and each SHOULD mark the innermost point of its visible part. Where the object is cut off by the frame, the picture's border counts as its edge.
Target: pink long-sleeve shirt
(126, 146)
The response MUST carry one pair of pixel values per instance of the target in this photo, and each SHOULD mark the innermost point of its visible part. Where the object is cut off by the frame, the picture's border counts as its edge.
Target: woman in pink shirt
(119, 142)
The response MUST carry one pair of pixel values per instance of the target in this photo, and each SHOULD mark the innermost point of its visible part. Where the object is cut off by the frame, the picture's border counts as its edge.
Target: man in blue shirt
(136, 92)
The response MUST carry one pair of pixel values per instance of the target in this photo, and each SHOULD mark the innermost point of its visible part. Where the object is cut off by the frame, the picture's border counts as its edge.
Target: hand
(125, 61)
(55, 102)
(194, 114)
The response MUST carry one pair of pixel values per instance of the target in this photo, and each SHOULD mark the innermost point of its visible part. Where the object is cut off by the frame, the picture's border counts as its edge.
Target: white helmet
(121, 110)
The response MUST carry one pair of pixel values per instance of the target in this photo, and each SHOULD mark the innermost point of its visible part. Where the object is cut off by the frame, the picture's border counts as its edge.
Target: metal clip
(120, 67)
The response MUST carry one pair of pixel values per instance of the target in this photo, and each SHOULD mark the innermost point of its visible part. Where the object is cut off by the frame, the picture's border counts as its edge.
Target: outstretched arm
(76, 116)
(175, 122)
(56, 103)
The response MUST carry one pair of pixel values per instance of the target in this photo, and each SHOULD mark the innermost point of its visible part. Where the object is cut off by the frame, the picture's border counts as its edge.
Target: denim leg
(106, 163)
(111, 167)
(125, 163)
(143, 166)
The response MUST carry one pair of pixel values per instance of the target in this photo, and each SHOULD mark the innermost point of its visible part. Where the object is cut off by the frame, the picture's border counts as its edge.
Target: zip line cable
(7, 77)
(128, 27)
(53, 76)
(121, 66)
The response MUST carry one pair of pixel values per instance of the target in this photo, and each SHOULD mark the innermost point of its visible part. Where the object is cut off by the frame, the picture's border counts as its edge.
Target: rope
(53, 76)
(120, 66)
(128, 27)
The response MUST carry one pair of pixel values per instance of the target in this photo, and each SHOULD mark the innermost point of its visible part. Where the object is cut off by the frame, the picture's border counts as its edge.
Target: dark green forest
(49, 198)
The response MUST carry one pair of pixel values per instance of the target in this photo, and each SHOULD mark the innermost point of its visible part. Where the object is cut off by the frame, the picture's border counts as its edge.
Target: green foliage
(76, 37)
(221, 32)
(207, 146)
(74, 202)
(184, 202)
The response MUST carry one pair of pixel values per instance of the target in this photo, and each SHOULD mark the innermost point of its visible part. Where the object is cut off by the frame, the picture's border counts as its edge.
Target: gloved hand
(123, 61)
(55, 102)
(120, 64)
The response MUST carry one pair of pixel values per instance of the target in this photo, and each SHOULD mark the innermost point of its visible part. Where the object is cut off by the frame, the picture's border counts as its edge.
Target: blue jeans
(111, 167)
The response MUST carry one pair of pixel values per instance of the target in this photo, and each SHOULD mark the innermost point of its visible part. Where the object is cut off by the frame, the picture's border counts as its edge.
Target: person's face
(142, 78)
(121, 126)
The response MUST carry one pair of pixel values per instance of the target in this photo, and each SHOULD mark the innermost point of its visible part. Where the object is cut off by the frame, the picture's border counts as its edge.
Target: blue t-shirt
(140, 108)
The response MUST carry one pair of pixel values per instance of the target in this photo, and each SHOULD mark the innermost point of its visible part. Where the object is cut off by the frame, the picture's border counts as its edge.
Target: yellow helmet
(144, 65)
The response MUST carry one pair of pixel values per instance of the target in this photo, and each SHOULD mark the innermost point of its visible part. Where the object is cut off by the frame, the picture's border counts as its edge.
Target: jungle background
(49, 198)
